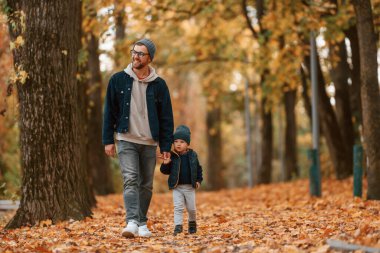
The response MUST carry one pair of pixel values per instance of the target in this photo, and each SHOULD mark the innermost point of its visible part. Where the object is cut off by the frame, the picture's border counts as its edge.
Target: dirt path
(272, 218)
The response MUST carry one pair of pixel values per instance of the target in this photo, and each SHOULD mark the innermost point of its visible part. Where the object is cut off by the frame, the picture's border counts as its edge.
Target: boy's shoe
(177, 229)
(144, 231)
(192, 227)
(131, 230)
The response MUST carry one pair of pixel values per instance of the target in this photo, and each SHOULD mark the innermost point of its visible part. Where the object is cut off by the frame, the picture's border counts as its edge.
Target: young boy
(185, 175)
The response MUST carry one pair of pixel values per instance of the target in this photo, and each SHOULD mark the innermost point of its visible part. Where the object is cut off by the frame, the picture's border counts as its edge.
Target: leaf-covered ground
(270, 218)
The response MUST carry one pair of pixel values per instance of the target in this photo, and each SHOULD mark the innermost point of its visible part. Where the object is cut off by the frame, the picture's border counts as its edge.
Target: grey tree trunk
(54, 184)
(369, 93)
(290, 135)
(215, 165)
(97, 160)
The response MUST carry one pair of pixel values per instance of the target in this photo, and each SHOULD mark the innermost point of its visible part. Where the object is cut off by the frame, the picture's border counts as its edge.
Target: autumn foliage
(271, 218)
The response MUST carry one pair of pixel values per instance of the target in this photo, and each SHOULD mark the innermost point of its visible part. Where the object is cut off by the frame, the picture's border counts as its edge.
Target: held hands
(165, 156)
(110, 150)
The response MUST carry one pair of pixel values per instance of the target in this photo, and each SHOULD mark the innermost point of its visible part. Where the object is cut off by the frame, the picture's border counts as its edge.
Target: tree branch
(247, 19)
(205, 60)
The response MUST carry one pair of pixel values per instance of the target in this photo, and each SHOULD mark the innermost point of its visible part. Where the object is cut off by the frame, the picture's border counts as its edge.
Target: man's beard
(138, 65)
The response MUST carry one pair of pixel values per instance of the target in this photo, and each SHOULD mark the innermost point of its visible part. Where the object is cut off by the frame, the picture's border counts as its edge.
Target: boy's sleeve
(199, 173)
(166, 168)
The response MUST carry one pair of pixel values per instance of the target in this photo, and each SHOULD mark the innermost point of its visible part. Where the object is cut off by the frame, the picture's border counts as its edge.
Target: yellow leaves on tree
(19, 75)
(19, 42)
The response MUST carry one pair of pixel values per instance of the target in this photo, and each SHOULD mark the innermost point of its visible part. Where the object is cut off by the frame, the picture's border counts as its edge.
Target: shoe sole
(127, 234)
(146, 236)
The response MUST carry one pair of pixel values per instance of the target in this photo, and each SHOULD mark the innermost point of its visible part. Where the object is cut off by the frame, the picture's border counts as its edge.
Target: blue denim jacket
(117, 110)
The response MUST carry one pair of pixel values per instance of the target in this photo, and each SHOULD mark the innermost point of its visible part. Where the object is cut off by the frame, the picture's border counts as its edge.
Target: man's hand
(110, 150)
(166, 161)
(197, 185)
(165, 157)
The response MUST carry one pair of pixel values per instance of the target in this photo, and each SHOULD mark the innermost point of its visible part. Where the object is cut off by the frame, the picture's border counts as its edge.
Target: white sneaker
(144, 231)
(131, 230)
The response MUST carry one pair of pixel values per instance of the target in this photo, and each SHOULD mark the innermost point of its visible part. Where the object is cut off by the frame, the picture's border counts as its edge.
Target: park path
(270, 218)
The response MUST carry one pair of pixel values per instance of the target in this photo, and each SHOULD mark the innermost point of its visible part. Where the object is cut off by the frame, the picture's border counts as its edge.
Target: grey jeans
(137, 163)
(184, 194)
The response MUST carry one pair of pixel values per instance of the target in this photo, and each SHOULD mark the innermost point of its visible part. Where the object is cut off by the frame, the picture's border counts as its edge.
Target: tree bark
(330, 128)
(265, 170)
(339, 75)
(369, 93)
(120, 24)
(215, 166)
(97, 160)
(54, 185)
(83, 121)
(290, 135)
(356, 102)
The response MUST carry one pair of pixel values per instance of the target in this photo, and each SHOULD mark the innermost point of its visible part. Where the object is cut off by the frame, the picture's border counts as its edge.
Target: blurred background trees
(207, 50)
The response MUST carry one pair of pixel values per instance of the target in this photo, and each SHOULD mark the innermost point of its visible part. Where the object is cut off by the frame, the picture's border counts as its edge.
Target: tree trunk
(290, 136)
(215, 166)
(339, 75)
(356, 102)
(120, 19)
(83, 122)
(54, 185)
(265, 170)
(97, 160)
(330, 128)
(369, 93)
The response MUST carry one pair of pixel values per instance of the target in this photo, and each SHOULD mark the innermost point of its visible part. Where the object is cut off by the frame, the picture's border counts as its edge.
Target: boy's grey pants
(137, 163)
(184, 194)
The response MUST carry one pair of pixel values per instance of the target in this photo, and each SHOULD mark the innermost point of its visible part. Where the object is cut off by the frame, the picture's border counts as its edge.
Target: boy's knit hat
(182, 132)
(149, 45)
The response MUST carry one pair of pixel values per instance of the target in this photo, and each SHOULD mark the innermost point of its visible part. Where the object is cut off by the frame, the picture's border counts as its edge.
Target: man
(138, 114)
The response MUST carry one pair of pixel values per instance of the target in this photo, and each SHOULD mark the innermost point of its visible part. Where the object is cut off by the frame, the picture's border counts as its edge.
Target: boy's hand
(166, 159)
(197, 185)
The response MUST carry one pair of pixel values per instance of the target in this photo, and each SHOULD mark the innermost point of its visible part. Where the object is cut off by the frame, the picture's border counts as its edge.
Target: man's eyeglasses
(139, 54)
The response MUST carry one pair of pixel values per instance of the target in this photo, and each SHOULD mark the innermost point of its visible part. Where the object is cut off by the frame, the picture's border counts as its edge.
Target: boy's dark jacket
(117, 109)
(172, 169)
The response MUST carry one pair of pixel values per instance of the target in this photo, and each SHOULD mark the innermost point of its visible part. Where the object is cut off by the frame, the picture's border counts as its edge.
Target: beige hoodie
(139, 130)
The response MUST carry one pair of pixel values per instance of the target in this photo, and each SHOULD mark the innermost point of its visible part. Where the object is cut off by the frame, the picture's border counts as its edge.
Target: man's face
(139, 61)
